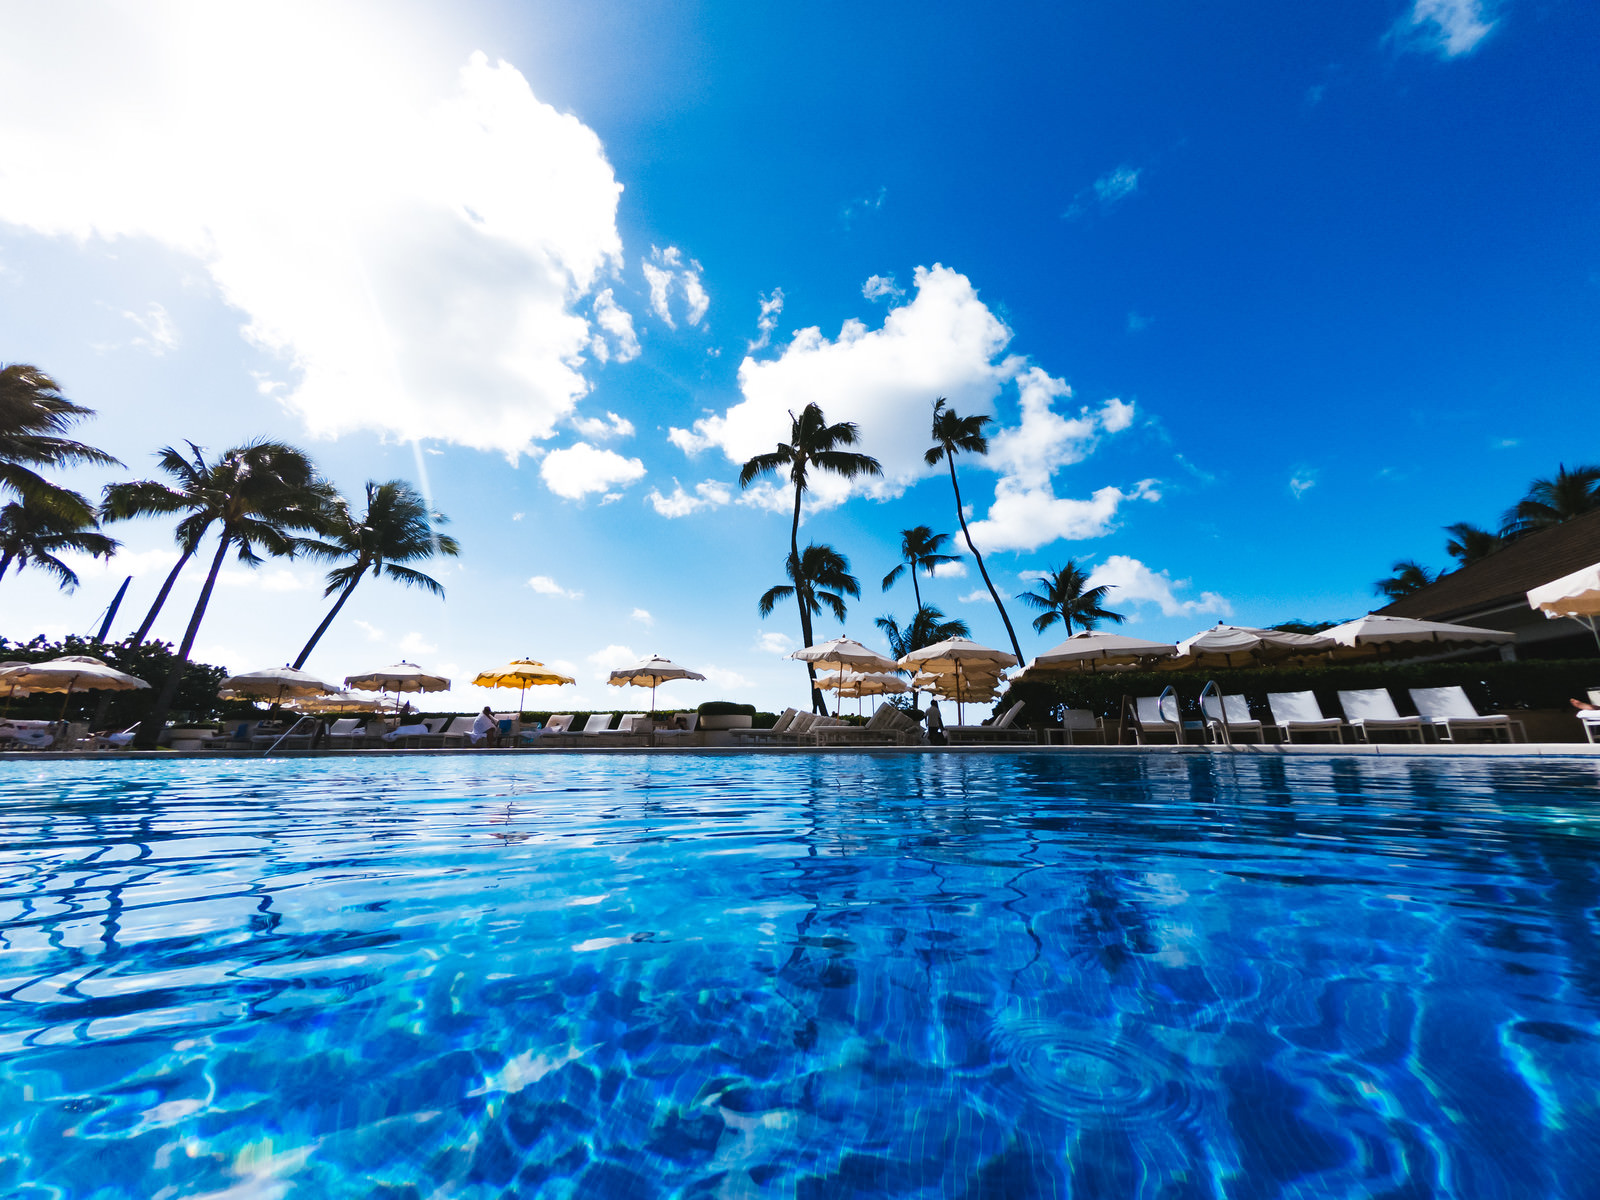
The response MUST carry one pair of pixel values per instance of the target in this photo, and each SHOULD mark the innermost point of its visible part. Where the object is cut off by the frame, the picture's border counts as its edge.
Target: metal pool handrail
(1212, 689)
(286, 733)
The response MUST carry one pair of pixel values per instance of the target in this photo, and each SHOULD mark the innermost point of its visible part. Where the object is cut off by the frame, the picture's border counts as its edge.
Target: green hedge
(150, 661)
(726, 708)
(1491, 686)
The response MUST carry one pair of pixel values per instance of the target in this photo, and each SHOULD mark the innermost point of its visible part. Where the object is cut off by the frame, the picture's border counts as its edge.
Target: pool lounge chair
(346, 734)
(1003, 729)
(681, 730)
(1237, 710)
(886, 728)
(633, 729)
(458, 732)
(1158, 716)
(1589, 718)
(1299, 712)
(1449, 711)
(1080, 722)
(1371, 710)
(779, 728)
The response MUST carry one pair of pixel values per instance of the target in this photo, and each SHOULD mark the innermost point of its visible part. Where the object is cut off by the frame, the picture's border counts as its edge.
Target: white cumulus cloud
(879, 287)
(546, 586)
(708, 494)
(604, 428)
(951, 570)
(644, 618)
(411, 243)
(1131, 582)
(1448, 28)
(618, 322)
(580, 469)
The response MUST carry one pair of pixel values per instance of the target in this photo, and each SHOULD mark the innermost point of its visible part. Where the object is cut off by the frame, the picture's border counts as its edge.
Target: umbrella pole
(67, 699)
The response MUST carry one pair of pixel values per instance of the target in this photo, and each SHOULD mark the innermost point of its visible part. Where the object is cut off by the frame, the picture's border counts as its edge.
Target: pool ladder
(1211, 689)
(287, 732)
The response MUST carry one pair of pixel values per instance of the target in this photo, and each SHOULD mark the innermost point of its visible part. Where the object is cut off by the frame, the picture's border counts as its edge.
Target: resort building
(1492, 592)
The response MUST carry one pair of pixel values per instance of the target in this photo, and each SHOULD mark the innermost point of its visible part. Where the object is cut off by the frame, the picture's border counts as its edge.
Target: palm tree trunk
(799, 594)
(6, 562)
(150, 727)
(161, 598)
(915, 590)
(1016, 646)
(326, 621)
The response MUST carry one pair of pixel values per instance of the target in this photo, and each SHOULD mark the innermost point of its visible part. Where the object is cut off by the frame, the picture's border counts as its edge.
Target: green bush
(726, 708)
(1491, 686)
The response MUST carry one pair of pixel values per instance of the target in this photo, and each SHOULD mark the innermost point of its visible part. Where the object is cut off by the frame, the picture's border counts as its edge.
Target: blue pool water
(938, 976)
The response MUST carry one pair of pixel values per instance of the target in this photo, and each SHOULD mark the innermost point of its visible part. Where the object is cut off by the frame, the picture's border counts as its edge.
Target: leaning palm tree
(263, 495)
(33, 534)
(812, 443)
(951, 435)
(396, 528)
(1068, 598)
(192, 491)
(1468, 543)
(819, 578)
(920, 548)
(1551, 501)
(1409, 578)
(33, 416)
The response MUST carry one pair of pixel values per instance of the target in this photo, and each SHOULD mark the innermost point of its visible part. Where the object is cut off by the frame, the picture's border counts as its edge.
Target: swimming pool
(975, 975)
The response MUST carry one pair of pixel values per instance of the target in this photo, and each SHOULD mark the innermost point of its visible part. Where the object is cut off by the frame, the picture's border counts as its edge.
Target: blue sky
(1260, 296)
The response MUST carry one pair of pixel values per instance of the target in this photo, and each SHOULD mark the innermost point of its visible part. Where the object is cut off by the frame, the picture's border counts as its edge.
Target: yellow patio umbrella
(521, 673)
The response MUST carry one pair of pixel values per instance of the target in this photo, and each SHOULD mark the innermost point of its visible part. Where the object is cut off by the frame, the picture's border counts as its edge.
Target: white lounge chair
(1371, 710)
(1589, 718)
(1158, 716)
(1449, 711)
(1004, 729)
(1299, 712)
(885, 728)
(779, 728)
(1075, 721)
(345, 733)
(1237, 710)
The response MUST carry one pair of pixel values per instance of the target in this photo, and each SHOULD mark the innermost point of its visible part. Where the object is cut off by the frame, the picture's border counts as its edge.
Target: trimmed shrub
(726, 708)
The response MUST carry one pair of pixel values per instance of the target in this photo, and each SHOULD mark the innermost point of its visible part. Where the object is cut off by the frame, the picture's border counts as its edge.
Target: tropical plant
(819, 579)
(920, 548)
(953, 434)
(1551, 501)
(33, 416)
(812, 443)
(32, 534)
(1409, 578)
(1468, 543)
(1068, 598)
(396, 528)
(261, 496)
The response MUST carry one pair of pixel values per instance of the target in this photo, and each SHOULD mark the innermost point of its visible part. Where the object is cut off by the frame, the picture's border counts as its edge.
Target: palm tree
(819, 578)
(1409, 578)
(396, 528)
(928, 627)
(1552, 501)
(32, 534)
(1066, 597)
(261, 496)
(1468, 543)
(920, 547)
(33, 415)
(194, 494)
(953, 434)
(812, 443)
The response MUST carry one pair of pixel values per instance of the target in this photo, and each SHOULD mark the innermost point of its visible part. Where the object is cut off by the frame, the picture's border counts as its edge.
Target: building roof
(1501, 579)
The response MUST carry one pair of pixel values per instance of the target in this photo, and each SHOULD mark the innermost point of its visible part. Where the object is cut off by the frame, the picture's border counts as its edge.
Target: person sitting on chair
(486, 729)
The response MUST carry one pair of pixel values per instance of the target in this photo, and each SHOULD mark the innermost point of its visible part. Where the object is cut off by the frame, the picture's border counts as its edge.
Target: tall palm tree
(1068, 598)
(194, 493)
(1468, 543)
(820, 578)
(927, 627)
(812, 443)
(1552, 501)
(33, 415)
(396, 528)
(1409, 578)
(32, 534)
(953, 434)
(262, 496)
(920, 548)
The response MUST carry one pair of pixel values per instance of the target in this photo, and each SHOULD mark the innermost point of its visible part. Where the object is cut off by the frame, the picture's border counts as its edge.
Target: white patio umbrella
(1576, 595)
(72, 673)
(1377, 632)
(401, 677)
(1243, 646)
(13, 689)
(843, 652)
(276, 684)
(1088, 650)
(651, 673)
(853, 685)
(352, 702)
(962, 658)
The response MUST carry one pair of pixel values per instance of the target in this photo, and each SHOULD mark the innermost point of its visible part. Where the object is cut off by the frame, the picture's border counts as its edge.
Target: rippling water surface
(944, 976)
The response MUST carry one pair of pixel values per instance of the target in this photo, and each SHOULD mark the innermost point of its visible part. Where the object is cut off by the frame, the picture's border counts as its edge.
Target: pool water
(997, 975)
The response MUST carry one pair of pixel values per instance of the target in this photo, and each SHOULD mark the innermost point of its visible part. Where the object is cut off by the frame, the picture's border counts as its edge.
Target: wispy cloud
(1302, 481)
(708, 494)
(157, 333)
(767, 322)
(1109, 190)
(882, 287)
(644, 618)
(863, 206)
(1448, 28)
(546, 586)
(667, 272)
